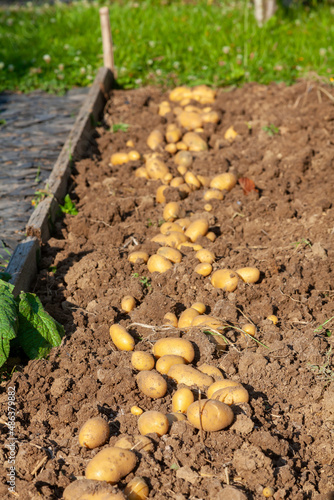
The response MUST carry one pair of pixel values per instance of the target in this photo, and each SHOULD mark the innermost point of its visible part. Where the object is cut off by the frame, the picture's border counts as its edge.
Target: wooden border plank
(23, 264)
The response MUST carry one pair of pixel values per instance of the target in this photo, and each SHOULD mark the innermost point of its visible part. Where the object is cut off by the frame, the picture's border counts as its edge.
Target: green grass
(163, 42)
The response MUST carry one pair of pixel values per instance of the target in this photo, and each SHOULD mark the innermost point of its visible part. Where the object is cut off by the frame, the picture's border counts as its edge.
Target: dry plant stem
(39, 465)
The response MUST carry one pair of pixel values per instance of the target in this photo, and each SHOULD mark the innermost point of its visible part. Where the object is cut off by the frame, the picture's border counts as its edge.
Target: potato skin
(136, 489)
(153, 421)
(221, 384)
(121, 338)
(158, 264)
(172, 345)
(95, 432)
(142, 360)
(225, 279)
(249, 274)
(111, 464)
(188, 375)
(186, 318)
(181, 400)
(210, 370)
(138, 257)
(231, 395)
(152, 384)
(89, 489)
(213, 415)
(165, 362)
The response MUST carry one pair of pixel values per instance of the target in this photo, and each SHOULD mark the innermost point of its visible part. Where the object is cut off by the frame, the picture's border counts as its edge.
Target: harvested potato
(135, 410)
(182, 169)
(211, 236)
(142, 360)
(190, 120)
(159, 196)
(152, 384)
(200, 307)
(194, 142)
(183, 223)
(180, 93)
(224, 181)
(153, 421)
(137, 442)
(184, 190)
(171, 148)
(168, 177)
(177, 181)
(155, 140)
(221, 384)
(165, 362)
(185, 101)
(210, 117)
(186, 317)
(136, 489)
(203, 94)
(193, 109)
(230, 134)
(204, 255)
(213, 194)
(268, 492)
(197, 229)
(204, 180)
(192, 180)
(181, 146)
(175, 417)
(130, 143)
(170, 253)
(207, 322)
(177, 110)
(119, 158)
(173, 133)
(188, 375)
(121, 338)
(210, 370)
(204, 269)
(128, 303)
(249, 328)
(164, 108)
(88, 489)
(160, 238)
(208, 207)
(175, 238)
(111, 464)
(231, 395)
(167, 227)
(173, 345)
(210, 415)
(172, 211)
(249, 274)
(156, 168)
(133, 155)
(182, 399)
(142, 172)
(225, 279)
(171, 319)
(158, 264)
(95, 432)
(189, 244)
(273, 318)
(138, 257)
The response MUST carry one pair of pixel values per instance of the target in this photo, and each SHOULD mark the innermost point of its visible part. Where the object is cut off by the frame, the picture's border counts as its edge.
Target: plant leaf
(247, 185)
(38, 331)
(4, 276)
(9, 321)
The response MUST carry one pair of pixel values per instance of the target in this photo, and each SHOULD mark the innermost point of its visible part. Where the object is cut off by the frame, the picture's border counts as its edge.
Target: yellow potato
(194, 142)
(187, 375)
(167, 227)
(171, 148)
(225, 279)
(231, 395)
(164, 108)
(210, 415)
(190, 120)
(158, 264)
(177, 181)
(135, 410)
(204, 255)
(180, 93)
(181, 146)
(182, 399)
(210, 117)
(273, 318)
(189, 244)
(224, 181)
(204, 269)
(111, 464)
(213, 194)
(173, 133)
(193, 109)
(156, 168)
(168, 177)
(203, 94)
(184, 159)
(207, 322)
(142, 360)
(130, 143)
(152, 384)
(230, 134)
(160, 197)
(208, 207)
(136, 489)
(153, 421)
(249, 328)
(171, 319)
(88, 489)
(177, 110)
(160, 238)
(173, 345)
(184, 189)
(204, 180)
(119, 158)
(211, 236)
(137, 442)
(249, 274)
(121, 338)
(128, 303)
(95, 432)
(200, 307)
(186, 317)
(182, 169)
(210, 370)
(138, 257)
(172, 211)
(175, 417)
(268, 492)
(133, 155)
(142, 172)
(221, 384)
(183, 223)
(196, 229)
(155, 140)
(192, 180)
(165, 362)
(170, 253)
(175, 238)
(185, 101)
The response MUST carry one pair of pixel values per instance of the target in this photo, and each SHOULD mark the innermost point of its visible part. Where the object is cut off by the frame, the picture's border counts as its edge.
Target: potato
(210, 370)
(249, 274)
(196, 229)
(111, 464)
(210, 415)
(135, 410)
(224, 181)
(121, 338)
(142, 360)
(177, 181)
(162, 239)
(175, 417)
(130, 143)
(158, 264)
(167, 227)
(88, 489)
(180, 93)
(133, 155)
(225, 279)
(182, 399)
(190, 120)
(137, 442)
(249, 328)
(183, 223)
(152, 384)
(142, 172)
(156, 168)
(188, 375)
(268, 492)
(173, 133)
(184, 190)
(185, 101)
(186, 317)
(171, 319)
(184, 159)
(189, 244)
(172, 211)
(194, 142)
(193, 109)
(181, 146)
(199, 306)
(153, 421)
(164, 108)
(182, 169)
(128, 303)
(170, 253)
(231, 395)
(136, 489)
(207, 322)
(204, 180)
(230, 134)
(204, 255)
(192, 180)
(210, 117)
(211, 236)
(221, 384)
(168, 177)
(159, 196)
(173, 345)
(165, 362)
(95, 432)
(213, 194)
(138, 257)
(171, 148)
(155, 140)
(175, 238)
(119, 158)
(207, 207)
(177, 110)
(204, 269)
(273, 318)
(203, 94)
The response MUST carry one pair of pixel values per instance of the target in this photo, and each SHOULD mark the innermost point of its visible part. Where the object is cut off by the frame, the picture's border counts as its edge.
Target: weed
(271, 129)
(4, 260)
(325, 371)
(123, 127)
(303, 241)
(149, 223)
(40, 195)
(160, 222)
(38, 175)
(69, 206)
(320, 328)
(135, 275)
(52, 269)
(144, 280)
(2, 123)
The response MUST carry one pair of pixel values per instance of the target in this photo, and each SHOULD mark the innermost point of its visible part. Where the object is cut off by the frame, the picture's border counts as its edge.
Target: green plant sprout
(271, 129)
(144, 280)
(122, 127)
(320, 328)
(304, 241)
(325, 371)
(38, 175)
(68, 207)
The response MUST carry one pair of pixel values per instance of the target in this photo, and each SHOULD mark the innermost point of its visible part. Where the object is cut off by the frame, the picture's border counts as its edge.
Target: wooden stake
(108, 54)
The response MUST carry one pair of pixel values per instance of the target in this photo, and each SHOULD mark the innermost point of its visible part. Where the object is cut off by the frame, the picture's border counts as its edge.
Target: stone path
(33, 129)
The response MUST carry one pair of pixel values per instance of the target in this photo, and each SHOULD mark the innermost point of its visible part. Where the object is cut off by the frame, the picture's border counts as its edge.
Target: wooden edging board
(23, 263)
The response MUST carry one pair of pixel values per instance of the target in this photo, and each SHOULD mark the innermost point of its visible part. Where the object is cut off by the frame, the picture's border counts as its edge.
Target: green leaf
(38, 331)
(8, 319)
(69, 206)
(5, 276)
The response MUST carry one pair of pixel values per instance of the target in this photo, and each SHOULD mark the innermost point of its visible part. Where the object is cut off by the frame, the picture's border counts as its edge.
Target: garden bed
(282, 437)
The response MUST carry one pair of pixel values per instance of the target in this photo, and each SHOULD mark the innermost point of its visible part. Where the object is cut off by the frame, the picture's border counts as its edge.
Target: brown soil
(282, 438)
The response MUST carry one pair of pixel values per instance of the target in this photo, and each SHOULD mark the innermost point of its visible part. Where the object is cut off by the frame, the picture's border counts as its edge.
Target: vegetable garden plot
(276, 219)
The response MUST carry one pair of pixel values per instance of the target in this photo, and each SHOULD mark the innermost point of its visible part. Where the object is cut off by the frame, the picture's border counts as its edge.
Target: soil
(282, 438)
